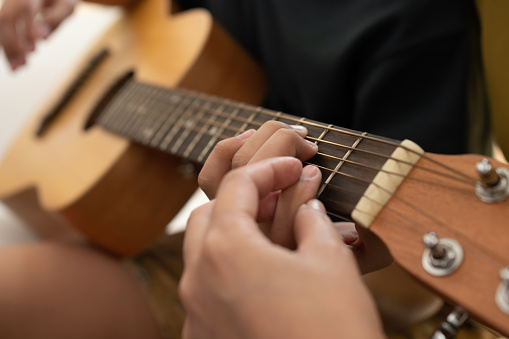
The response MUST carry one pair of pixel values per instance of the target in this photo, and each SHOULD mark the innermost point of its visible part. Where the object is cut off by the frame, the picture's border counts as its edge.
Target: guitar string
(251, 108)
(189, 93)
(301, 120)
(420, 225)
(457, 233)
(355, 163)
(320, 125)
(222, 114)
(424, 227)
(357, 135)
(413, 207)
(448, 176)
(406, 202)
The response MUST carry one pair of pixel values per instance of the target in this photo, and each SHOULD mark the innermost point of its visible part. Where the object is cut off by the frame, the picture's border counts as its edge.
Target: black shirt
(395, 68)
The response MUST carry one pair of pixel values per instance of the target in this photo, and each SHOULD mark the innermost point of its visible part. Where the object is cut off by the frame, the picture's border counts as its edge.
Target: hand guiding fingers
(234, 212)
(236, 277)
(256, 181)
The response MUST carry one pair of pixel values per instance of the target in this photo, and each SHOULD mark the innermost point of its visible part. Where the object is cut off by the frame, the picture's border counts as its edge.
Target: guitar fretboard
(189, 124)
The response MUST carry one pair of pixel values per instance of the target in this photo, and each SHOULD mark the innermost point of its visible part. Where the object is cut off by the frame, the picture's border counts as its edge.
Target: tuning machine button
(441, 256)
(502, 295)
(493, 184)
(449, 328)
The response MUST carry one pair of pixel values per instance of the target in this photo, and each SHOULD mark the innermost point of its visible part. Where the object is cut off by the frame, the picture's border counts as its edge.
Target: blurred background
(23, 91)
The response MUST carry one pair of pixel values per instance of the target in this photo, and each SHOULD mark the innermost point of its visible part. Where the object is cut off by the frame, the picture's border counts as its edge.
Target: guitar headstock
(450, 229)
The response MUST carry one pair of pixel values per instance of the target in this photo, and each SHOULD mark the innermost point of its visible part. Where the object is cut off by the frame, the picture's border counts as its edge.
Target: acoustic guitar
(107, 160)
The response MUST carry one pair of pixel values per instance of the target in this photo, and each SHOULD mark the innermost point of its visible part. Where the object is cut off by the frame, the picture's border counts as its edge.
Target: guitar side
(118, 194)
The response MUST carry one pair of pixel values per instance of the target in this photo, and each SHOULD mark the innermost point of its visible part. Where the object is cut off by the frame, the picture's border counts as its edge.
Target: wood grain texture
(427, 202)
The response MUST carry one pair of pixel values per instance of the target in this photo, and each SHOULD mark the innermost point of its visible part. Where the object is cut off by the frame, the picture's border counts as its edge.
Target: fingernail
(309, 172)
(350, 238)
(300, 129)
(312, 144)
(246, 134)
(316, 205)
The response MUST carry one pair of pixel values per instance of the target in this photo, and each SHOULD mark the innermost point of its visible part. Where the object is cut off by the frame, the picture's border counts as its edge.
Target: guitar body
(120, 195)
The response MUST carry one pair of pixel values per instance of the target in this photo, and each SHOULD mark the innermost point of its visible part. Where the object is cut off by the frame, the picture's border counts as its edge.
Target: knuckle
(222, 148)
(241, 158)
(214, 248)
(205, 182)
(188, 291)
(287, 135)
(275, 125)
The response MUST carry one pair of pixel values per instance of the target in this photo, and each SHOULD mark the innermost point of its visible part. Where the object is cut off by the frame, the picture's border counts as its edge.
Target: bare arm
(24, 22)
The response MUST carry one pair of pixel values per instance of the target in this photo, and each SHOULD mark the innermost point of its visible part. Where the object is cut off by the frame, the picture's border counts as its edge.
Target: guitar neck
(189, 124)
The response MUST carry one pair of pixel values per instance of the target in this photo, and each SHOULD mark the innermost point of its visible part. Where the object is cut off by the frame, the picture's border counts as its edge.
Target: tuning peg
(502, 295)
(433, 244)
(449, 328)
(493, 184)
(487, 173)
(441, 256)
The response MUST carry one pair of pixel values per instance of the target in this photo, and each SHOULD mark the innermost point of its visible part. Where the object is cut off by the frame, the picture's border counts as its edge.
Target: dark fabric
(395, 68)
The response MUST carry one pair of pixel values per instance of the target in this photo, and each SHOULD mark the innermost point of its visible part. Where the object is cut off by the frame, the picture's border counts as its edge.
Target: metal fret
(145, 130)
(214, 138)
(193, 142)
(301, 121)
(170, 119)
(116, 107)
(170, 102)
(190, 127)
(277, 116)
(136, 111)
(213, 130)
(185, 121)
(340, 164)
(127, 106)
(325, 131)
(249, 120)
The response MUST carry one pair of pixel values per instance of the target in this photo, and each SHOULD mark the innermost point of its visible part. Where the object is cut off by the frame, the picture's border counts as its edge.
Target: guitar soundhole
(69, 94)
(106, 99)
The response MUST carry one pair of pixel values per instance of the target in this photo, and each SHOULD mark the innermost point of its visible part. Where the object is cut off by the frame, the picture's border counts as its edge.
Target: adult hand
(24, 22)
(238, 284)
